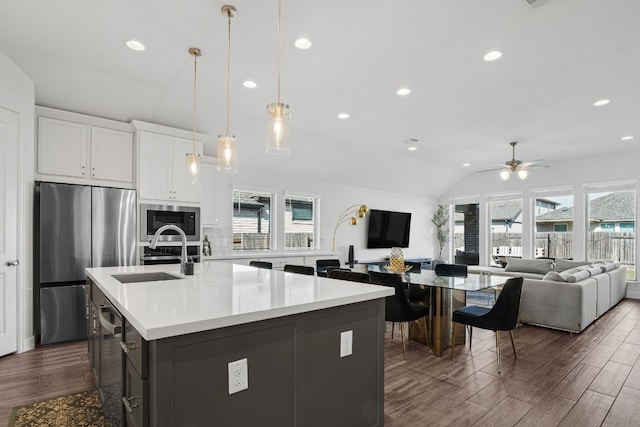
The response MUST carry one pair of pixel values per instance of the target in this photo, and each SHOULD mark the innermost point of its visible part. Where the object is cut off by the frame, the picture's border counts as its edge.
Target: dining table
(443, 295)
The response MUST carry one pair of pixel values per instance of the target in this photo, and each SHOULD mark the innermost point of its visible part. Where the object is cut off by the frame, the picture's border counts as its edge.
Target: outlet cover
(346, 343)
(238, 376)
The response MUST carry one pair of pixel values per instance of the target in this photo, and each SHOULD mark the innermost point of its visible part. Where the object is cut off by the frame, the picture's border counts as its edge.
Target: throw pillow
(594, 270)
(565, 264)
(580, 275)
(555, 276)
(538, 266)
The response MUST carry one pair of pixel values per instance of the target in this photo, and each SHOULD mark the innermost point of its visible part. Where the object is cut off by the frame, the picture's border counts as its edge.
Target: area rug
(79, 409)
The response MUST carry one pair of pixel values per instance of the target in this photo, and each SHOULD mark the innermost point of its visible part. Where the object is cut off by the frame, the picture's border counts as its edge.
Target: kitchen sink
(145, 277)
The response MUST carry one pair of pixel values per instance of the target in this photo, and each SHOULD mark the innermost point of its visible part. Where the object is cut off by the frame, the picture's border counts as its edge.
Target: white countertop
(222, 294)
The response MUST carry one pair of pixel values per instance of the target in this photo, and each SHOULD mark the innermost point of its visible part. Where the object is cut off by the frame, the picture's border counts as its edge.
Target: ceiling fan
(517, 166)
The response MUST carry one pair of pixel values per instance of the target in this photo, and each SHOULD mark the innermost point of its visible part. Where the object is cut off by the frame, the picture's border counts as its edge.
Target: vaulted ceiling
(559, 57)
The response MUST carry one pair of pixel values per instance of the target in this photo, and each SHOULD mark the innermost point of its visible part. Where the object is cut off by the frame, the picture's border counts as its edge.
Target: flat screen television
(388, 229)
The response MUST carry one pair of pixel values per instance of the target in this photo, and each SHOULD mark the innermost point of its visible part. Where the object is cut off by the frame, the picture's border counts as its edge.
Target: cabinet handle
(128, 346)
(126, 401)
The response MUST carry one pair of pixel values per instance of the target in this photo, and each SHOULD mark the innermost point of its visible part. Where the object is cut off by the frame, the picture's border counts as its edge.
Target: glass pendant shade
(522, 174)
(193, 163)
(505, 175)
(278, 128)
(227, 156)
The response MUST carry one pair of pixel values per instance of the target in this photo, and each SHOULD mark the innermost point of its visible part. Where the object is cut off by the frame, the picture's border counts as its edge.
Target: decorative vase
(396, 260)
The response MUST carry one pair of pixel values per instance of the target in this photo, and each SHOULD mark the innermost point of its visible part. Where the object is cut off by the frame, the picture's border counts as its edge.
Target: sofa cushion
(565, 264)
(537, 266)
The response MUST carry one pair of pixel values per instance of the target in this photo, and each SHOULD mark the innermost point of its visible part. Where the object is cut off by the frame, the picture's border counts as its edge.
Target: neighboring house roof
(608, 208)
(507, 210)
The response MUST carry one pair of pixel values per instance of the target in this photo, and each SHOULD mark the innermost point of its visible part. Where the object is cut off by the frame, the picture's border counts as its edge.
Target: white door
(8, 230)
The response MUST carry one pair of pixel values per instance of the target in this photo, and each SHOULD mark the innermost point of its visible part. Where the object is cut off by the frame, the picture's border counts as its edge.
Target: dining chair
(503, 316)
(261, 264)
(397, 308)
(300, 269)
(455, 270)
(344, 274)
(323, 264)
(416, 267)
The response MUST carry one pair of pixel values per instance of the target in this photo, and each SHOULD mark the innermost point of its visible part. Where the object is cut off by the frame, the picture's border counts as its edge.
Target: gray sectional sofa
(563, 294)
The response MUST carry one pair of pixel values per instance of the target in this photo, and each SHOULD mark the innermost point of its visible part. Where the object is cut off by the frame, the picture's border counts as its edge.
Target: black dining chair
(344, 274)
(416, 267)
(300, 269)
(397, 308)
(455, 270)
(322, 265)
(261, 264)
(503, 316)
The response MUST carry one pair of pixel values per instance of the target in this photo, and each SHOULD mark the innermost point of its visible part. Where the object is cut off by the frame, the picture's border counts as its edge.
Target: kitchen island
(313, 347)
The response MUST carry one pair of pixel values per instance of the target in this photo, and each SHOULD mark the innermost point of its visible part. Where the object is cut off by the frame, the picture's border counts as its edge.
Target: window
(605, 241)
(506, 230)
(299, 222)
(252, 221)
(553, 225)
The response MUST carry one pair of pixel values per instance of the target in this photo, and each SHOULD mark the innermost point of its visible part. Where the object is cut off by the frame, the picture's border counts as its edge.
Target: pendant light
(194, 159)
(278, 114)
(227, 155)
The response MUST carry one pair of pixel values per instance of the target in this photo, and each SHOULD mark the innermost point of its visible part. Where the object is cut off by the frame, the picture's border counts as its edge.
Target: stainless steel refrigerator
(76, 226)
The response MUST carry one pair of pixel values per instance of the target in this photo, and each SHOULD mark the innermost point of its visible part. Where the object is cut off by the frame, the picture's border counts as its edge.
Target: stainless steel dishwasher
(111, 363)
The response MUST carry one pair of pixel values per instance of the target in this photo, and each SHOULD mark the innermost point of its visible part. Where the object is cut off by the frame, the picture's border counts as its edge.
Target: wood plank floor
(559, 379)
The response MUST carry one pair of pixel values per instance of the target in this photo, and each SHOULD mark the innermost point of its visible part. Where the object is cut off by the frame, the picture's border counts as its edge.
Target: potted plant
(440, 219)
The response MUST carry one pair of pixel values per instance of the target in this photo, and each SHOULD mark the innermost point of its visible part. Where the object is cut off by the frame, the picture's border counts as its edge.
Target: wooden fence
(601, 245)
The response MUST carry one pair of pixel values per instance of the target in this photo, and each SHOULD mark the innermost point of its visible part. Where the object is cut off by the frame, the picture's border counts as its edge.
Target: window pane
(252, 220)
(612, 218)
(506, 230)
(554, 226)
(299, 222)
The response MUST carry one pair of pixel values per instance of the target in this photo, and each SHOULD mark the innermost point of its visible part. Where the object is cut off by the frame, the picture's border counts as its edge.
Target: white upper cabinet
(163, 170)
(62, 147)
(111, 154)
(73, 149)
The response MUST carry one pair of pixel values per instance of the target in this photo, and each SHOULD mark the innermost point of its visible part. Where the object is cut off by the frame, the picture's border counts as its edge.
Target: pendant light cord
(279, 53)
(228, 66)
(195, 103)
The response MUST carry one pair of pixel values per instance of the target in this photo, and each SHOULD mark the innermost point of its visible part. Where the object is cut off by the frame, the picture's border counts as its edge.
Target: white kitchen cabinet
(163, 170)
(62, 147)
(111, 154)
(76, 152)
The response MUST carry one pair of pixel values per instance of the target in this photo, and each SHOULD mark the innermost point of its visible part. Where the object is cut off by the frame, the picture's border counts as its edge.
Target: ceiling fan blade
(535, 167)
(492, 170)
(532, 162)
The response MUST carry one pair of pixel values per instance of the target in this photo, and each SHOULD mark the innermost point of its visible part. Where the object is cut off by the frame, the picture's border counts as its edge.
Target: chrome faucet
(183, 256)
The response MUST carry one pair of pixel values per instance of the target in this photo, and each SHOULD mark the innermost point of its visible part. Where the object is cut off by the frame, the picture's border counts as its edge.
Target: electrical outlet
(346, 343)
(238, 376)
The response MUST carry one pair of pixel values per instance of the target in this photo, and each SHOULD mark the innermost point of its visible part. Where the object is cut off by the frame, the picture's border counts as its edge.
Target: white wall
(335, 198)
(17, 94)
(574, 174)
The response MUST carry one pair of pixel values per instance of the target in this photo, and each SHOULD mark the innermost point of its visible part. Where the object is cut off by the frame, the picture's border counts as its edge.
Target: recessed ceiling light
(493, 55)
(249, 84)
(601, 102)
(466, 164)
(412, 148)
(302, 43)
(135, 45)
(343, 116)
(403, 91)
(627, 138)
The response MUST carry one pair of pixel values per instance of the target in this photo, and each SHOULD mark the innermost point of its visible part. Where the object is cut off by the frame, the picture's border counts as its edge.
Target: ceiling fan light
(505, 174)
(522, 174)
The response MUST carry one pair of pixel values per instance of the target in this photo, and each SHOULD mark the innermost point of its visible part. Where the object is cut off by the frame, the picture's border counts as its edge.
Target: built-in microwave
(152, 217)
